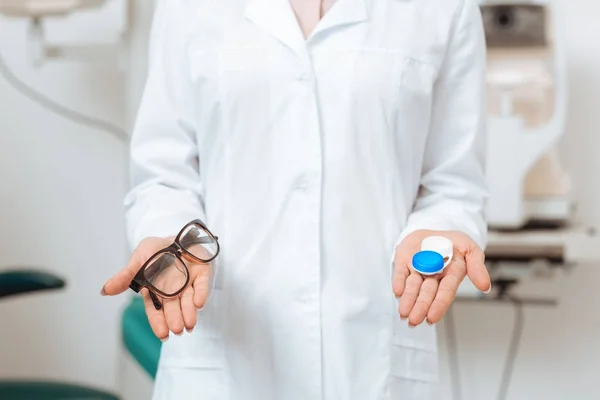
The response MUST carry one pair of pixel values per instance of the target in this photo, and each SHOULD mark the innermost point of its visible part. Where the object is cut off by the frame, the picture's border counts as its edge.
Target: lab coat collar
(277, 18)
(343, 12)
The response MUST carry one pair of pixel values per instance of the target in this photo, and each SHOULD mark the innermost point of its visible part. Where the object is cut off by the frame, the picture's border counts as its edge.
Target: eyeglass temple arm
(155, 300)
(136, 287)
(191, 239)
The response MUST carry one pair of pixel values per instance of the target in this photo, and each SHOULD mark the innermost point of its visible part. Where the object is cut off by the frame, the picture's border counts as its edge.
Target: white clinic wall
(559, 355)
(61, 206)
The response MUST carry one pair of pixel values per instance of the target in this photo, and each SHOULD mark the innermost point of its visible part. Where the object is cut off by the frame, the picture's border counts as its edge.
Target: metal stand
(515, 257)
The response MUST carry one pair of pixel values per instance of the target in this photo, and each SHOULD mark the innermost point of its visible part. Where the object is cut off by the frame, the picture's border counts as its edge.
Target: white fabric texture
(310, 158)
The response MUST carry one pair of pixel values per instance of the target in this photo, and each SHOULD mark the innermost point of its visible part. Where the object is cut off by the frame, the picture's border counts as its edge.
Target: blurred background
(71, 74)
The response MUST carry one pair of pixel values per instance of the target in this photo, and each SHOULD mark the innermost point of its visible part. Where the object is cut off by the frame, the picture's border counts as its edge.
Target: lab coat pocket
(414, 354)
(202, 348)
(415, 75)
(243, 59)
(181, 383)
(414, 363)
(192, 366)
(414, 96)
(203, 65)
(244, 78)
(253, 64)
(382, 79)
(368, 76)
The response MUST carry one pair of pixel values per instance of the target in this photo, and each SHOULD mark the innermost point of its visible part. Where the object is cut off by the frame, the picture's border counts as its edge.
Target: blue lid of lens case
(428, 262)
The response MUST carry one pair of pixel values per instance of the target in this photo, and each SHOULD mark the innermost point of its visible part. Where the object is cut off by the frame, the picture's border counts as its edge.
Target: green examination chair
(14, 283)
(138, 338)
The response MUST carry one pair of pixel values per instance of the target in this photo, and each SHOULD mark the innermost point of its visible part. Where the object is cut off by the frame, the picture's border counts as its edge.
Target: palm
(177, 312)
(172, 279)
(430, 297)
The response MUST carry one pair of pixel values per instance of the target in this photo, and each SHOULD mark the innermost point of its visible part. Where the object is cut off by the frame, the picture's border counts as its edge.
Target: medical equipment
(526, 86)
(435, 255)
(39, 10)
(533, 235)
(529, 213)
(45, 8)
(533, 240)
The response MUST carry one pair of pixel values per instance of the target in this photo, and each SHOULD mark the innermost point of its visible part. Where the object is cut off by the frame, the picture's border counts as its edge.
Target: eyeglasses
(166, 274)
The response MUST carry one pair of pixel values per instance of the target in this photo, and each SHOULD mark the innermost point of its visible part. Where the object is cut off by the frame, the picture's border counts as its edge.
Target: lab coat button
(304, 78)
(303, 185)
(307, 297)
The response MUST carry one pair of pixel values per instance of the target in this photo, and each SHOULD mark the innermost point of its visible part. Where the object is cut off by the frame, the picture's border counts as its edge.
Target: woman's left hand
(430, 296)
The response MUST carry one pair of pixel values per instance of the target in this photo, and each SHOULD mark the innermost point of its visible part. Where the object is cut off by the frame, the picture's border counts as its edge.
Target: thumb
(121, 280)
(477, 271)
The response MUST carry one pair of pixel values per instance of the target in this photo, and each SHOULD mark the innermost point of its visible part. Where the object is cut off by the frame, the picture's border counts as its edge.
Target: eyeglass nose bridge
(175, 248)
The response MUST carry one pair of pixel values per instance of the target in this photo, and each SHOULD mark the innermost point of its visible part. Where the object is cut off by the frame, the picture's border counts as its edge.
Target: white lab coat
(310, 160)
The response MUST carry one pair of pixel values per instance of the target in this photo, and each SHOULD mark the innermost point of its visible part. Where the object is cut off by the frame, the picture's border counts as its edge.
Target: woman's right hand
(178, 312)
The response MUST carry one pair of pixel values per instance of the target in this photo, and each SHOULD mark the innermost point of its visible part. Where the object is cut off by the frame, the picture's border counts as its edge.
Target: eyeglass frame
(176, 249)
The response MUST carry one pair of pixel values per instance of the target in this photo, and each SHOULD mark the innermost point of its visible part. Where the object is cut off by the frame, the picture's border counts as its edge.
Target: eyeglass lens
(166, 273)
(198, 242)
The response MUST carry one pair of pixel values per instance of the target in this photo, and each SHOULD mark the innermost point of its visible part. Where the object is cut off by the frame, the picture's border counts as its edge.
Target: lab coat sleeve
(166, 188)
(453, 189)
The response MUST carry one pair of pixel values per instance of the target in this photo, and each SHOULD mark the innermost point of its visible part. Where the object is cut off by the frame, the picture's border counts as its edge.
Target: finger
(156, 318)
(477, 271)
(428, 291)
(173, 315)
(121, 280)
(201, 287)
(401, 273)
(411, 291)
(446, 292)
(188, 309)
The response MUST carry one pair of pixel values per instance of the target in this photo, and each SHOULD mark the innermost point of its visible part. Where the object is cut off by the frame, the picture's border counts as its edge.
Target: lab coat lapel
(277, 18)
(343, 12)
